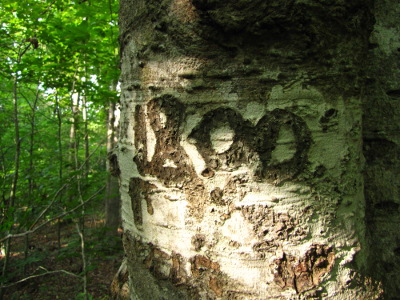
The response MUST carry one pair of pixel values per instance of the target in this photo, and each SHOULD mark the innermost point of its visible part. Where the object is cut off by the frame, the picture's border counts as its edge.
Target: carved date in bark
(170, 163)
(226, 140)
(276, 147)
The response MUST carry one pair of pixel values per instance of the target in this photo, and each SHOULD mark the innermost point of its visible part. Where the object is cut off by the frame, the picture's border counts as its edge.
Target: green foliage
(82, 296)
(103, 244)
(50, 53)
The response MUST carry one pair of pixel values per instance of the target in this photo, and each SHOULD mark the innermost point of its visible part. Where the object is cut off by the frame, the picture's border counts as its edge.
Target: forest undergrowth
(104, 254)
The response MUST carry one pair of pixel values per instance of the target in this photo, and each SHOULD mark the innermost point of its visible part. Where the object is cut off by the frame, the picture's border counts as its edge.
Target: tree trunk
(86, 137)
(381, 134)
(112, 201)
(73, 139)
(240, 151)
(60, 163)
(31, 180)
(10, 205)
(17, 142)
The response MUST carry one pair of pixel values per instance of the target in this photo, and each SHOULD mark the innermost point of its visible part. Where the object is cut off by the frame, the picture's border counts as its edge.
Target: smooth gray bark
(241, 149)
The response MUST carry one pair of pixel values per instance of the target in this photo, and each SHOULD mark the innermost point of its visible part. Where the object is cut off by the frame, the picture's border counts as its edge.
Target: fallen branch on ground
(40, 275)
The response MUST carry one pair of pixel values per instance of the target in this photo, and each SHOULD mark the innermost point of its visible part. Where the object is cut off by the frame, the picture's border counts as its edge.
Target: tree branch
(17, 235)
(59, 191)
(48, 206)
(40, 275)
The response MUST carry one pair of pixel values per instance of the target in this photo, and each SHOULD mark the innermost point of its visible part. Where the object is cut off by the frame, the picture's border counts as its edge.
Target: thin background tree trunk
(14, 184)
(60, 163)
(112, 200)
(86, 137)
(31, 181)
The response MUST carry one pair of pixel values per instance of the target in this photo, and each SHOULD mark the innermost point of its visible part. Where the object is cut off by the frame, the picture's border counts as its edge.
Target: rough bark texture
(241, 149)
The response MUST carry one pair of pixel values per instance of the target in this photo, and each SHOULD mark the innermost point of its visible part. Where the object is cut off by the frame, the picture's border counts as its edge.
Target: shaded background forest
(59, 73)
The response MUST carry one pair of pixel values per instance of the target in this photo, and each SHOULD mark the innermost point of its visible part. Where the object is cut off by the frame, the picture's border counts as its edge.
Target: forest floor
(103, 254)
